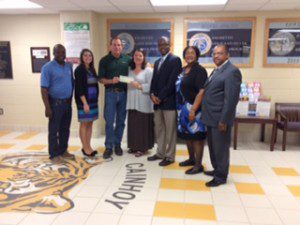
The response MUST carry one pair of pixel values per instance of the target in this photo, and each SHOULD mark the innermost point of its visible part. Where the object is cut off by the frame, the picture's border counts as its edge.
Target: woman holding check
(140, 131)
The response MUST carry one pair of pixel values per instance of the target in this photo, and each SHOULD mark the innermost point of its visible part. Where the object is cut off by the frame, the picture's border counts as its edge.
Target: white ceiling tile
(136, 9)
(205, 8)
(145, 3)
(279, 6)
(108, 9)
(242, 7)
(247, 2)
(284, 1)
(90, 3)
(171, 9)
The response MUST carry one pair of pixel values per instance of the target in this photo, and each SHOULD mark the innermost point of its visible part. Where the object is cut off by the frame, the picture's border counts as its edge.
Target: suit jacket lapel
(164, 62)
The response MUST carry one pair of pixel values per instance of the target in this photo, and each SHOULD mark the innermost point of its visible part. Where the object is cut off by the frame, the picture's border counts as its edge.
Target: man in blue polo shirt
(56, 89)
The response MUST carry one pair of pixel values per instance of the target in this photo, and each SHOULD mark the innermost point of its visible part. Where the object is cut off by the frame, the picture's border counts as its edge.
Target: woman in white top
(140, 133)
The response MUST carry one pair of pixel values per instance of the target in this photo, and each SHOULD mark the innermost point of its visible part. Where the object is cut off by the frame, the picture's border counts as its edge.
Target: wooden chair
(288, 119)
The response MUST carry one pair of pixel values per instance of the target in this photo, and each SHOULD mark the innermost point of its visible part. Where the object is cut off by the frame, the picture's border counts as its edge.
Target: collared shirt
(162, 59)
(58, 79)
(110, 67)
(219, 67)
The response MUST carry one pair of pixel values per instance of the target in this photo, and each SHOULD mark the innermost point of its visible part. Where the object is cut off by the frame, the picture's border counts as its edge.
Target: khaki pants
(165, 124)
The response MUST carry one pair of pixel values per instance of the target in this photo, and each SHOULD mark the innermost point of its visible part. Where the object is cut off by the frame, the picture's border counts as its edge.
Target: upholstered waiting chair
(288, 119)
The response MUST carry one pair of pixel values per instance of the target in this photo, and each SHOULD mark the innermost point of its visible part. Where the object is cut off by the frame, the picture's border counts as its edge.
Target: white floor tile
(147, 194)
(91, 191)
(231, 214)
(284, 202)
(226, 199)
(289, 217)
(229, 187)
(276, 190)
(84, 204)
(106, 207)
(198, 197)
(167, 221)
(75, 218)
(135, 220)
(235, 223)
(102, 218)
(142, 208)
(34, 218)
(170, 195)
(259, 201)
(263, 216)
(199, 222)
(12, 217)
(178, 174)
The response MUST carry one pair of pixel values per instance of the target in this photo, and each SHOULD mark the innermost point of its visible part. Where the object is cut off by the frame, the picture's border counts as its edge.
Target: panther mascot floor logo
(30, 182)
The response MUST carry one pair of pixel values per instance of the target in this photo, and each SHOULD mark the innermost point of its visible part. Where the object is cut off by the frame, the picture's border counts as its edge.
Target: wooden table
(256, 120)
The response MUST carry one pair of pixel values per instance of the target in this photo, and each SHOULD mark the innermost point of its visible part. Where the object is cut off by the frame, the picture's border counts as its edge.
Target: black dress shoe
(153, 158)
(118, 151)
(188, 162)
(131, 151)
(214, 183)
(89, 155)
(194, 170)
(107, 153)
(166, 162)
(209, 173)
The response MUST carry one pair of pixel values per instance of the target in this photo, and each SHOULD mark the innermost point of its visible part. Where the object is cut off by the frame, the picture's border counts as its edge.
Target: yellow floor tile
(3, 133)
(184, 211)
(240, 169)
(249, 188)
(6, 145)
(295, 190)
(183, 184)
(26, 135)
(182, 153)
(73, 148)
(36, 147)
(285, 171)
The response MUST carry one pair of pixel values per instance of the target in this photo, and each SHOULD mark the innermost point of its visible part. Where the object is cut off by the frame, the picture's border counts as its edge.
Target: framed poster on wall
(77, 37)
(39, 57)
(141, 33)
(5, 61)
(237, 33)
(282, 42)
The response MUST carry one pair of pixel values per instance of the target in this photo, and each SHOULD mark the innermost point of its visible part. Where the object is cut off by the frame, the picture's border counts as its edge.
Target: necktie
(213, 74)
(160, 62)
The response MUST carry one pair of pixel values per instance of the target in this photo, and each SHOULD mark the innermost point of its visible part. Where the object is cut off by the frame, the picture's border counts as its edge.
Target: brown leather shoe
(56, 160)
(68, 155)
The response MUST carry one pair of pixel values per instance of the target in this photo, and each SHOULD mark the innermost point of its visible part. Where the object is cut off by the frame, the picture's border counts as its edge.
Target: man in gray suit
(218, 111)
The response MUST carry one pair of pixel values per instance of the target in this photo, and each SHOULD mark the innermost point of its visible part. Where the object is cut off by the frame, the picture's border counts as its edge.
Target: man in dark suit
(163, 95)
(218, 111)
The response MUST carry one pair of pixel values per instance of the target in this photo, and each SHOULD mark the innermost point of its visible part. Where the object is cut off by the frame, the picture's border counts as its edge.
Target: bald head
(59, 53)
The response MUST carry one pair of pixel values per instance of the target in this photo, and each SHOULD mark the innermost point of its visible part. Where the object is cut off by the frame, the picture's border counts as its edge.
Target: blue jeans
(59, 128)
(114, 114)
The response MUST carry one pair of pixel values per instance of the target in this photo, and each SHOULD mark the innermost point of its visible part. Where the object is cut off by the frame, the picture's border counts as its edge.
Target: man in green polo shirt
(111, 67)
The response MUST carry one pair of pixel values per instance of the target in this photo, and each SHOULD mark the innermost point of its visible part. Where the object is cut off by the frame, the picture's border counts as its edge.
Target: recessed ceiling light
(187, 2)
(18, 4)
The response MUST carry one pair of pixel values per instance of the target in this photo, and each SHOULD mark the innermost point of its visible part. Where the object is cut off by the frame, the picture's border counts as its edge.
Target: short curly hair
(197, 51)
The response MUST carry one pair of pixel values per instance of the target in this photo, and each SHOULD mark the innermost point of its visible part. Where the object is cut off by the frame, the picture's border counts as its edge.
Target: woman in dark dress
(86, 96)
(189, 88)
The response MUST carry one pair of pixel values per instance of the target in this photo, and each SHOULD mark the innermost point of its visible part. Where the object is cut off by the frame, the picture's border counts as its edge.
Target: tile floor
(263, 188)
